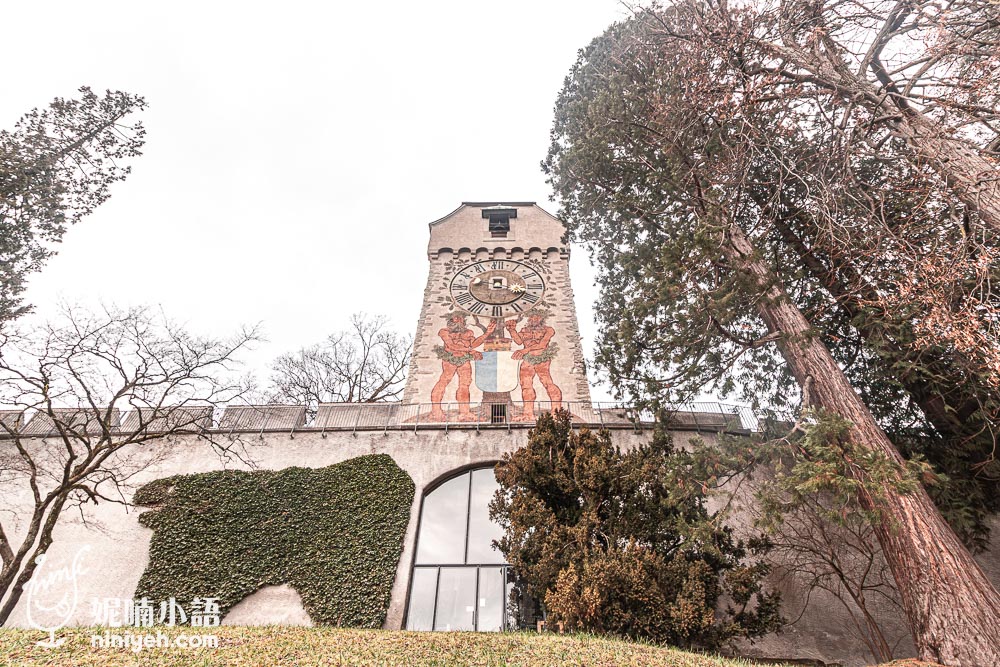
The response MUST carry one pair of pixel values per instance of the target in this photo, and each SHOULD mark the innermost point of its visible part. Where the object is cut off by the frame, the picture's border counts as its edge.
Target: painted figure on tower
(536, 357)
(456, 354)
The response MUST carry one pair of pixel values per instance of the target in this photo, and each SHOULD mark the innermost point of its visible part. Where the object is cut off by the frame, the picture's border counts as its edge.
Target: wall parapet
(390, 416)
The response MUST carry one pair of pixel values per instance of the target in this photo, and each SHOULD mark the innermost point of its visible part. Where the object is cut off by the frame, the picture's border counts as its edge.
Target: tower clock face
(497, 288)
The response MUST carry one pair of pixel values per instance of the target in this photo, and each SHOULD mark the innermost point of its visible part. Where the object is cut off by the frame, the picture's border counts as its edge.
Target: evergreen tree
(56, 166)
(665, 168)
(605, 539)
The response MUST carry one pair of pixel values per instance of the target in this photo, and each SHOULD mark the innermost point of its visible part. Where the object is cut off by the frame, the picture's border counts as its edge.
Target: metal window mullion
(475, 605)
(468, 519)
(504, 620)
(434, 613)
(503, 599)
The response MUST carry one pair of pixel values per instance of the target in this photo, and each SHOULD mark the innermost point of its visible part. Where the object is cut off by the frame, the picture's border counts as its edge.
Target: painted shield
(497, 371)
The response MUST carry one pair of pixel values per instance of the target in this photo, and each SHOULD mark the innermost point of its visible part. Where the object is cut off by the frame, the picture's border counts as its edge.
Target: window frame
(503, 567)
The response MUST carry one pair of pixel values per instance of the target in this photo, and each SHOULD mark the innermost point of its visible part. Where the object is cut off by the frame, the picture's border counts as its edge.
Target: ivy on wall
(334, 534)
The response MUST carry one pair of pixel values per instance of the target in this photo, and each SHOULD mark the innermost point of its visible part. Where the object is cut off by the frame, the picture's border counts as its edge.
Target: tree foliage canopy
(656, 137)
(56, 166)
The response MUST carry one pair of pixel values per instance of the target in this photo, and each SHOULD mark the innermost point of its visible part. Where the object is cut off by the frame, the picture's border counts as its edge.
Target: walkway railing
(515, 414)
(698, 416)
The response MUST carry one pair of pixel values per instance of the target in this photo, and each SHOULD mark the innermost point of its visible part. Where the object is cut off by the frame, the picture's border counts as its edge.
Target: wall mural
(510, 294)
(536, 356)
(456, 355)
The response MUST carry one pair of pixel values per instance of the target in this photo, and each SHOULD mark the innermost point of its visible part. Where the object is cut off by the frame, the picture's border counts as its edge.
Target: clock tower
(498, 334)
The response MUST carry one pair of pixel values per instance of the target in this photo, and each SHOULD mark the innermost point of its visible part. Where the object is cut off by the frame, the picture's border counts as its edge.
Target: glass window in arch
(459, 582)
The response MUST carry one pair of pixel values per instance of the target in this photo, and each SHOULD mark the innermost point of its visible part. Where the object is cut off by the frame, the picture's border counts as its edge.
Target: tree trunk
(951, 415)
(952, 608)
(975, 179)
(13, 566)
(44, 542)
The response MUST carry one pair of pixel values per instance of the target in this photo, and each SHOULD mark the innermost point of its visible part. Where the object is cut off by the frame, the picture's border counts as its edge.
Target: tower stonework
(498, 324)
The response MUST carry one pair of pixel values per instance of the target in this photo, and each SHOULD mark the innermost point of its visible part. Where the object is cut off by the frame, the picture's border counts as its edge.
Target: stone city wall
(119, 545)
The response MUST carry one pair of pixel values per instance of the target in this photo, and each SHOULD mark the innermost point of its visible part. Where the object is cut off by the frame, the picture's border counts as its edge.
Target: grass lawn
(328, 646)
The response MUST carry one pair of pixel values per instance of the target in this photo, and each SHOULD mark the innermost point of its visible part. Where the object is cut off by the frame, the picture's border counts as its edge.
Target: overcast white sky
(296, 151)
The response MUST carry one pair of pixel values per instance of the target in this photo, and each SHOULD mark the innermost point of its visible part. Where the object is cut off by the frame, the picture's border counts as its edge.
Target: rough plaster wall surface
(424, 363)
(270, 605)
(820, 628)
(119, 546)
(465, 227)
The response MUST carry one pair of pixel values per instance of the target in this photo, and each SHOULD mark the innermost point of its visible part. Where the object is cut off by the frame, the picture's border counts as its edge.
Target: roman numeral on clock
(534, 286)
(464, 299)
(497, 311)
(477, 308)
(530, 298)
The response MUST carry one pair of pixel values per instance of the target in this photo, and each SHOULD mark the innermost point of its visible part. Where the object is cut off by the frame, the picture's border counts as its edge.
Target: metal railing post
(357, 420)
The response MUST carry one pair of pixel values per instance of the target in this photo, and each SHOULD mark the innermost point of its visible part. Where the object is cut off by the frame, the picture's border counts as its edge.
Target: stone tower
(498, 335)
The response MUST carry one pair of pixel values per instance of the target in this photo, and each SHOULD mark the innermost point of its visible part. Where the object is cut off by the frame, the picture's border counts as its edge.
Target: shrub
(602, 538)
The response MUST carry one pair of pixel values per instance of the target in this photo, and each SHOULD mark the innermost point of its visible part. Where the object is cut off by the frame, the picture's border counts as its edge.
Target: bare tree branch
(71, 380)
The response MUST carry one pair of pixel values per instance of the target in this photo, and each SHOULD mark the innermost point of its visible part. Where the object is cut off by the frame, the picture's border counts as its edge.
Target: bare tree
(365, 364)
(73, 380)
(843, 559)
